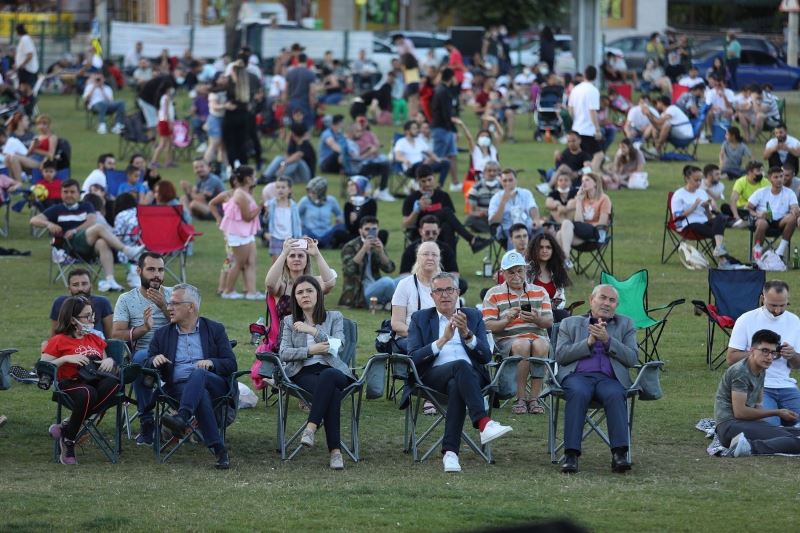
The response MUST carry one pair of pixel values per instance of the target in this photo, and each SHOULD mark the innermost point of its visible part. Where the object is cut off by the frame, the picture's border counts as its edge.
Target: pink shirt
(233, 223)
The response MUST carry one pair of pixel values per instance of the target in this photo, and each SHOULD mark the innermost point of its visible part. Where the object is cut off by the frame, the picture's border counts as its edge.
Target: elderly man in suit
(449, 348)
(195, 359)
(594, 353)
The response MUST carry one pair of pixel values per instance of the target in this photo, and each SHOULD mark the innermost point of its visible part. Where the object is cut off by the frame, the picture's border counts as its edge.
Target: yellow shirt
(745, 189)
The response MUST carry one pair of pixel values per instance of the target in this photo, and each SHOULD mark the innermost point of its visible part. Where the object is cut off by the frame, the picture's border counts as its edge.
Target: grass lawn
(674, 485)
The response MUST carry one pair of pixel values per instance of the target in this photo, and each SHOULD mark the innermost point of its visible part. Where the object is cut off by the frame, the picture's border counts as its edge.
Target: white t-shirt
(682, 200)
(688, 81)
(639, 120)
(791, 142)
(277, 86)
(780, 203)
(14, 146)
(97, 95)
(282, 223)
(786, 325)
(406, 293)
(584, 98)
(479, 160)
(95, 177)
(516, 210)
(681, 127)
(524, 79)
(25, 46)
(714, 99)
(414, 153)
(718, 189)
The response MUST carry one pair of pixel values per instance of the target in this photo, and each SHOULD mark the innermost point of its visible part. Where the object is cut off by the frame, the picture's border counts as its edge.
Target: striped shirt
(500, 298)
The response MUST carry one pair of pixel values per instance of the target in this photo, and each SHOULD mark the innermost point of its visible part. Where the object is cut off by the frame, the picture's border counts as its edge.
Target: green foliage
(514, 14)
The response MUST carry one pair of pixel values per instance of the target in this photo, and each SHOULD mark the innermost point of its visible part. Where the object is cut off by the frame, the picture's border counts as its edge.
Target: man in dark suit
(196, 361)
(594, 353)
(449, 348)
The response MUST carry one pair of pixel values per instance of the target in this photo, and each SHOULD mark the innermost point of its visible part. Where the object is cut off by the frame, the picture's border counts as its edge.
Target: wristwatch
(468, 337)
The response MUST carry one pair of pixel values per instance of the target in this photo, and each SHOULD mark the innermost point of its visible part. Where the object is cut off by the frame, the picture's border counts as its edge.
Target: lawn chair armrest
(551, 383)
(648, 382)
(271, 366)
(669, 306)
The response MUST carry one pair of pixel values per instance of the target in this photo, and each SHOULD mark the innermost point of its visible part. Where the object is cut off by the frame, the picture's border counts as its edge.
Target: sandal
(535, 408)
(519, 407)
(428, 409)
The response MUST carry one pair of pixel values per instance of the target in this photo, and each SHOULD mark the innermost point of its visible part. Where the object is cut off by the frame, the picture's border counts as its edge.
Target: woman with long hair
(414, 292)
(217, 97)
(19, 126)
(311, 339)
(235, 124)
(733, 154)
(592, 209)
(74, 346)
(627, 160)
(546, 269)
(43, 147)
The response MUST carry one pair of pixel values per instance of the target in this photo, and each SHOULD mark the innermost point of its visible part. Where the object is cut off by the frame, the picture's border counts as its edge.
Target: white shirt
(95, 177)
(25, 46)
(681, 127)
(718, 189)
(132, 59)
(714, 99)
(525, 78)
(14, 146)
(639, 120)
(688, 81)
(407, 295)
(453, 350)
(517, 209)
(98, 94)
(787, 325)
(413, 151)
(584, 98)
(791, 142)
(682, 200)
(479, 160)
(780, 204)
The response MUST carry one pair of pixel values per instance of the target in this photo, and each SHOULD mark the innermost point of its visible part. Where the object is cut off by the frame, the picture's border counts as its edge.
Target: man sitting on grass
(738, 408)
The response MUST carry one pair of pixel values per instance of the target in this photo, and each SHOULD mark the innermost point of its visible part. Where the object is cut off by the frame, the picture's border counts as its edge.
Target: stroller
(547, 113)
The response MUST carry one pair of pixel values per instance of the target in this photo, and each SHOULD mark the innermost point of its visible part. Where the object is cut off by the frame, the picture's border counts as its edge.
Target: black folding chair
(590, 256)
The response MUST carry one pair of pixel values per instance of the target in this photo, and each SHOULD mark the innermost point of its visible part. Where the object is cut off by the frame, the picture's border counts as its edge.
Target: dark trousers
(580, 390)
(255, 140)
(716, 226)
(450, 226)
(86, 401)
(330, 164)
(196, 397)
(764, 438)
(442, 167)
(377, 168)
(235, 135)
(326, 385)
(462, 384)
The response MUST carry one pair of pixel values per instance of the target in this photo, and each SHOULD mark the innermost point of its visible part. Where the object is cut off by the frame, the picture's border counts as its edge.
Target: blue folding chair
(683, 146)
(734, 292)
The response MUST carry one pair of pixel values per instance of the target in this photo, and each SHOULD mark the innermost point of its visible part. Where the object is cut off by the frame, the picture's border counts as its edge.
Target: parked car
(633, 50)
(383, 51)
(752, 42)
(757, 66)
(528, 54)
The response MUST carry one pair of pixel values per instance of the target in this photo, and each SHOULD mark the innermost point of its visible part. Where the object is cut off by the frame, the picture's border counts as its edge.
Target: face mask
(84, 328)
(484, 142)
(759, 177)
(544, 71)
(179, 80)
(357, 201)
(563, 190)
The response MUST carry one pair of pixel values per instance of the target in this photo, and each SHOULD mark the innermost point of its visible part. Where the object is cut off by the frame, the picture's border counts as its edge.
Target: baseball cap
(512, 259)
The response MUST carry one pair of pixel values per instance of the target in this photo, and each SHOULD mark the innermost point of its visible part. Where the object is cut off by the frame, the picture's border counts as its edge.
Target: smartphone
(525, 307)
(300, 244)
(372, 233)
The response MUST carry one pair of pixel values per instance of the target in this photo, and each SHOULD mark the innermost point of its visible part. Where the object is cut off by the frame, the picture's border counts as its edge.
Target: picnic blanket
(708, 426)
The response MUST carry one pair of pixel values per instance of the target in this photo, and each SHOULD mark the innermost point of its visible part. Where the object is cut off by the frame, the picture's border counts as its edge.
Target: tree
(234, 6)
(514, 14)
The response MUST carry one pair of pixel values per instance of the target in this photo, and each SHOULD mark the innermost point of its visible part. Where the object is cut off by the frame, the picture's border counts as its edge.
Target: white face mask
(484, 142)
(358, 201)
(563, 189)
(83, 327)
(544, 71)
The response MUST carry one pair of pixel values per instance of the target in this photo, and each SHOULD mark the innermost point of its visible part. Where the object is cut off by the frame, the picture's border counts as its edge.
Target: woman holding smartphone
(546, 269)
(311, 338)
(592, 210)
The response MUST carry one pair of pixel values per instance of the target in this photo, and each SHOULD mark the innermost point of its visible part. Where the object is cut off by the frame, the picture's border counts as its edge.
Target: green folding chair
(633, 303)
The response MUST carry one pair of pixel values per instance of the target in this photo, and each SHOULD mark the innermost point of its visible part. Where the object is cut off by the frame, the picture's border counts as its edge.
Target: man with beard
(137, 315)
(79, 283)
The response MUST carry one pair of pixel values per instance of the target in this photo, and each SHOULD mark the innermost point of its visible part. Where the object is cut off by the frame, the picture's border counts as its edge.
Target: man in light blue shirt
(513, 205)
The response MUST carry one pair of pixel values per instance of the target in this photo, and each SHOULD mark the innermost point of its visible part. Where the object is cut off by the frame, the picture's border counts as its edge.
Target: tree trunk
(234, 6)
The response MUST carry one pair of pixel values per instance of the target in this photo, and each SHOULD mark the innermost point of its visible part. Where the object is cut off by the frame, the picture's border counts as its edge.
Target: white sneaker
(117, 129)
(103, 285)
(739, 223)
(741, 446)
(254, 296)
(232, 295)
(133, 251)
(568, 264)
(450, 461)
(456, 187)
(133, 280)
(101, 129)
(202, 147)
(114, 286)
(720, 250)
(384, 196)
(494, 430)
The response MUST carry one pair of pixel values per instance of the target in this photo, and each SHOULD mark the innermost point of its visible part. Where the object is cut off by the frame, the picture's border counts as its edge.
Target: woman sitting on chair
(74, 345)
(546, 269)
(414, 292)
(312, 361)
(592, 209)
(695, 210)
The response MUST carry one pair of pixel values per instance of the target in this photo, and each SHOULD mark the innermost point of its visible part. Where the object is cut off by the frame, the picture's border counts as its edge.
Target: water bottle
(769, 213)
(795, 259)
(487, 267)
(255, 338)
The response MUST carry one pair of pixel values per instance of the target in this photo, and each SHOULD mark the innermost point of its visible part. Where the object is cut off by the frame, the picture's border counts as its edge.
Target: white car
(383, 51)
(564, 61)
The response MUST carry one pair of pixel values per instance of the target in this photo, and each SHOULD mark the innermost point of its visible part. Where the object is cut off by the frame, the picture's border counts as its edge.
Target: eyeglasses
(90, 316)
(447, 290)
(517, 272)
(772, 353)
(173, 304)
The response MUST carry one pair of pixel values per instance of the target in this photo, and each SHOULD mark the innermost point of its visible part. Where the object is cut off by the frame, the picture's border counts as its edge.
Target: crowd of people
(449, 342)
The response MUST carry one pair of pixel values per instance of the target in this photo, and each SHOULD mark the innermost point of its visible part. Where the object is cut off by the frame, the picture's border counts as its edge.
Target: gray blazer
(572, 346)
(294, 346)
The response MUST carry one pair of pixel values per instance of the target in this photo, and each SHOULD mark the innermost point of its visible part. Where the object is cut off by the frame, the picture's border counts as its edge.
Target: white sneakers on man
(451, 464)
(494, 430)
(102, 129)
(384, 195)
(117, 129)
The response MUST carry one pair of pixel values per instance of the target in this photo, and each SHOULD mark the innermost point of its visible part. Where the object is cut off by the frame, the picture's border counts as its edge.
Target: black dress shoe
(176, 424)
(223, 461)
(570, 464)
(619, 462)
(479, 243)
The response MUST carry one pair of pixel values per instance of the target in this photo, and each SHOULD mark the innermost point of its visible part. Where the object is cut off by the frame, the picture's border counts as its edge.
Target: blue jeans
(297, 171)
(144, 396)
(462, 384)
(382, 289)
(117, 107)
(444, 142)
(580, 390)
(196, 395)
(325, 240)
(785, 398)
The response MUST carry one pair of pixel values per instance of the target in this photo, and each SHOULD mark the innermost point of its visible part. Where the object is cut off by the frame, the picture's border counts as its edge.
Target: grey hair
(493, 164)
(191, 293)
(445, 275)
(603, 286)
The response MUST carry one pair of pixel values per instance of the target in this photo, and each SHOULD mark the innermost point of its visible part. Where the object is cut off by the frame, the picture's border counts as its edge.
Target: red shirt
(456, 62)
(60, 345)
(53, 188)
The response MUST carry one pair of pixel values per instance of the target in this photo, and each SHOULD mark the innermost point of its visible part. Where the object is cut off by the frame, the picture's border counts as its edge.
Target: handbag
(691, 257)
(91, 373)
(638, 180)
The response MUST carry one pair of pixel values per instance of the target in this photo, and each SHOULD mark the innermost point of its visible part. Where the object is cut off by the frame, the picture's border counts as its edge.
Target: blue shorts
(214, 126)
(444, 142)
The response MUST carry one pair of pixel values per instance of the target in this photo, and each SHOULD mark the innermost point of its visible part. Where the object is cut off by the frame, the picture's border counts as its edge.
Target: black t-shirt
(555, 195)
(439, 200)
(152, 90)
(574, 161)
(309, 155)
(368, 208)
(442, 108)
(67, 218)
(448, 257)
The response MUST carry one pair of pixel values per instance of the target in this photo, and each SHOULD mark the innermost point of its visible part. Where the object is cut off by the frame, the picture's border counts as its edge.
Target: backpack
(691, 257)
(771, 262)
(63, 154)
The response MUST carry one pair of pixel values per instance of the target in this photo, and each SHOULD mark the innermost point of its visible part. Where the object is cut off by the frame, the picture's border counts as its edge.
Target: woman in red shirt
(73, 346)
(546, 269)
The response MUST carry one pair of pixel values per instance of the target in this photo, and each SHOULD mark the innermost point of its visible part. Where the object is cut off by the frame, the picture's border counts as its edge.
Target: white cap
(512, 259)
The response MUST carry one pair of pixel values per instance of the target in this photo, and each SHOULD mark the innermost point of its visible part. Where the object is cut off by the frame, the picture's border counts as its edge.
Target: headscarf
(362, 184)
(319, 186)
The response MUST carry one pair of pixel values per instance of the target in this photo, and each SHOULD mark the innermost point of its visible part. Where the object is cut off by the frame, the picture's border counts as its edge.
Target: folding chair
(164, 231)
(676, 236)
(591, 255)
(5, 216)
(63, 257)
(734, 292)
(272, 366)
(5, 367)
(647, 386)
(135, 137)
(115, 179)
(686, 149)
(398, 179)
(633, 303)
(112, 449)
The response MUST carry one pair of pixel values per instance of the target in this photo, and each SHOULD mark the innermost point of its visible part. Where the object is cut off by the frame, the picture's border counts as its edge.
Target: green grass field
(674, 484)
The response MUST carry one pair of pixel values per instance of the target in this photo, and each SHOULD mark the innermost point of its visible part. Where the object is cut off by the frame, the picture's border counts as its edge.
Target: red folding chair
(163, 231)
(676, 236)
(677, 91)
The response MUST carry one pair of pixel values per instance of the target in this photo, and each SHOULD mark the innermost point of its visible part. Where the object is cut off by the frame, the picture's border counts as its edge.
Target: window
(754, 57)
(619, 13)
(380, 48)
